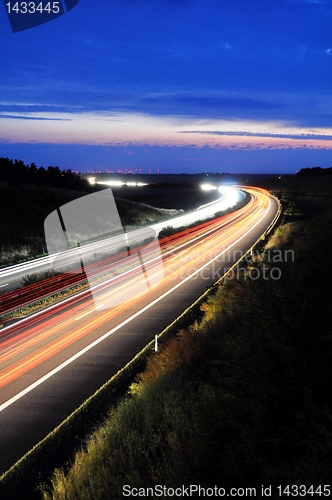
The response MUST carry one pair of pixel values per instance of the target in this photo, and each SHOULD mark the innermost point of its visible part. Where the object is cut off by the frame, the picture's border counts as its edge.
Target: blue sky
(174, 85)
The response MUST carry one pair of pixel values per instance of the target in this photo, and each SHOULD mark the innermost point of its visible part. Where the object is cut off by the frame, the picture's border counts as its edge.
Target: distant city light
(136, 184)
(120, 183)
(112, 183)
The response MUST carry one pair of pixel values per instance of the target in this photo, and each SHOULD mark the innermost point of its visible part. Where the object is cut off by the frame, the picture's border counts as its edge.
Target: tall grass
(240, 399)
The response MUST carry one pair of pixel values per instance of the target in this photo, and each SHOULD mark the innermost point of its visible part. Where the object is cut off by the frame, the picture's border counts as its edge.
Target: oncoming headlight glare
(208, 187)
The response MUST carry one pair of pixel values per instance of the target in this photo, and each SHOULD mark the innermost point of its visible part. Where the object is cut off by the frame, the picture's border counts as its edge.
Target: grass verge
(22, 479)
(239, 399)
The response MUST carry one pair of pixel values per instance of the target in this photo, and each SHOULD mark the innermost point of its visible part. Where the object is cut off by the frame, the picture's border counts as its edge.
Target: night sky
(175, 85)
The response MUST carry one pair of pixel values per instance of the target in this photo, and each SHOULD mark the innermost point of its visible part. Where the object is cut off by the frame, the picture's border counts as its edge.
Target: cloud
(17, 108)
(212, 105)
(306, 109)
(215, 102)
(24, 117)
(164, 104)
(302, 137)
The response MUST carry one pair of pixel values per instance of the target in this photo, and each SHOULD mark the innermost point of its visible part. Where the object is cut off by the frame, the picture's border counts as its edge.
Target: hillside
(240, 399)
(24, 208)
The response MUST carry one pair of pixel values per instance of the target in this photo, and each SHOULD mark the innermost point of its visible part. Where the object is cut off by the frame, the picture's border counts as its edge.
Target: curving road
(11, 277)
(52, 361)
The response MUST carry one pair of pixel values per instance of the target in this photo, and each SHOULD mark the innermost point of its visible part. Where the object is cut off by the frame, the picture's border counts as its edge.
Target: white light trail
(128, 320)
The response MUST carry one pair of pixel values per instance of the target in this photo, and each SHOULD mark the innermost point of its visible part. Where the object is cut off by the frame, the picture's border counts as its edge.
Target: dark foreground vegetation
(27, 195)
(24, 208)
(16, 173)
(242, 398)
(314, 172)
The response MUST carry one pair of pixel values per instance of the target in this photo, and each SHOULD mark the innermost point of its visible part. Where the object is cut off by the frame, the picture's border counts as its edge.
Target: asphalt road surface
(52, 361)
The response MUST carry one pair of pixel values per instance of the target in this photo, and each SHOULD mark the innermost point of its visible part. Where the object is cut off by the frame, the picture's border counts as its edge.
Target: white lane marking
(92, 287)
(125, 322)
(48, 259)
(1, 286)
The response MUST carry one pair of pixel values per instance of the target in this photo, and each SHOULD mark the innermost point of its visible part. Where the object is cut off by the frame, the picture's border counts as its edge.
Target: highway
(53, 360)
(11, 277)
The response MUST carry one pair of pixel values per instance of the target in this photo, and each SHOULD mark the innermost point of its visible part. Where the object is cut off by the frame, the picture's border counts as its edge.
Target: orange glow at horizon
(145, 130)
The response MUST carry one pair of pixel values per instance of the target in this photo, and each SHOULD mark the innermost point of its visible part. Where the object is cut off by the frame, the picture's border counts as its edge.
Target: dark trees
(17, 173)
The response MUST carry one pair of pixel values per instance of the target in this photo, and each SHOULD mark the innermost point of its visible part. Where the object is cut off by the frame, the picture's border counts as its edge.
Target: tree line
(314, 171)
(16, 173)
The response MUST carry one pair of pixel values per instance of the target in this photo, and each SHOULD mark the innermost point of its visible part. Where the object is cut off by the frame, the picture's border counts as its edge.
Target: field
(24, 209)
